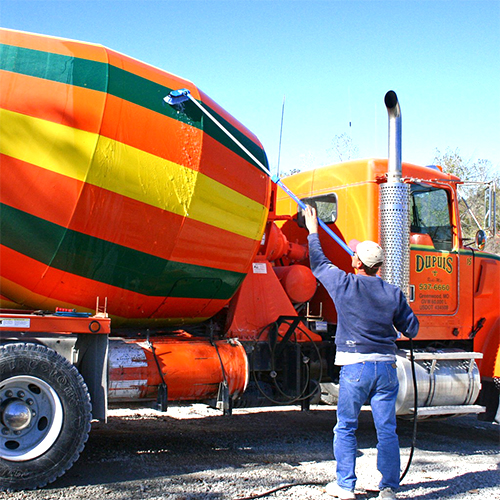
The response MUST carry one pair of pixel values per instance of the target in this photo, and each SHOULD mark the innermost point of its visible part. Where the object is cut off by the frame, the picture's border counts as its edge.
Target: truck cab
(454, 289)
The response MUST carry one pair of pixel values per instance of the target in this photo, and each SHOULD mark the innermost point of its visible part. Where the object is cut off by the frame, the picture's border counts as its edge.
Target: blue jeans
(375, 383)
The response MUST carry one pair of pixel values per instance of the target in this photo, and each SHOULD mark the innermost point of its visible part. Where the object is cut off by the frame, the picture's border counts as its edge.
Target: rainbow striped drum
(107, 191)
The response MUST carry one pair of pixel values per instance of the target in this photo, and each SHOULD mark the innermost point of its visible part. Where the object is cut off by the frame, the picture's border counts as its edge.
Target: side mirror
(481, 239)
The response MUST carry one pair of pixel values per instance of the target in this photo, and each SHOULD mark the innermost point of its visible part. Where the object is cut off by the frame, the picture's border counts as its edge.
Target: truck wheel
(45, 415)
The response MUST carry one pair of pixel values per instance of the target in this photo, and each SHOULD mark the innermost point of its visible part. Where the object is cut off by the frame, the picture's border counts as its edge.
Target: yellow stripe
(130, 172)
(33, 141)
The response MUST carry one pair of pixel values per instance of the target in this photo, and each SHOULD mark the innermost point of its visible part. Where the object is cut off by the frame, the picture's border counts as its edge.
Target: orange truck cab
(453, 288)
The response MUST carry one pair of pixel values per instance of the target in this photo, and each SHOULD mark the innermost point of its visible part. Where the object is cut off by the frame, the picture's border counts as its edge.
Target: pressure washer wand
(182, 95)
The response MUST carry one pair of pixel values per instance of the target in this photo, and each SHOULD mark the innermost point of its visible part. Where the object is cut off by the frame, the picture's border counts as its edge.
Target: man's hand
(311, 219)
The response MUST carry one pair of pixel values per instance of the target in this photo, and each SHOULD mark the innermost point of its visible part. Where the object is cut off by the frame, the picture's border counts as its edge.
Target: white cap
(369, 252)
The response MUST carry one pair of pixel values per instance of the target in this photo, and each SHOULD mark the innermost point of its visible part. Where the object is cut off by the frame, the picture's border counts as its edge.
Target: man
(369, 312)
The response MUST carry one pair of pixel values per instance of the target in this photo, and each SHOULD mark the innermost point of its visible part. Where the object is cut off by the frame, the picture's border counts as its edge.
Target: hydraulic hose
(288, 399)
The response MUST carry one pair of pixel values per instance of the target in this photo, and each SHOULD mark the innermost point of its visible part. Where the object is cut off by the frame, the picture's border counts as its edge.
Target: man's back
(368, 308)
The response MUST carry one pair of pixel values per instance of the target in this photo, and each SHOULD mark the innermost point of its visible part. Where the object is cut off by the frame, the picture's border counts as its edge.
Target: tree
(343, 148)
(290, 172)
(479, 178)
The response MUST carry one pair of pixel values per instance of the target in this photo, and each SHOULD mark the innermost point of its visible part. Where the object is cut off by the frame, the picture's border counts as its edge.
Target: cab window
(430, 214)
(325, 205)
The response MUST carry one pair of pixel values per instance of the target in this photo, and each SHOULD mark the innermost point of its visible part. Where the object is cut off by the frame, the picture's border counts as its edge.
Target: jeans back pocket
(392, 373)
(352, 373)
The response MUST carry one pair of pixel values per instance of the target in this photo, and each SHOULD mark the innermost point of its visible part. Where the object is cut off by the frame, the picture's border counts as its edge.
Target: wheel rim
(31, 418)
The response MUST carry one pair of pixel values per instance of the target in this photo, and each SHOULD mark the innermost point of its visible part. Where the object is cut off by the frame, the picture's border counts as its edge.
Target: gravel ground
(194, 452)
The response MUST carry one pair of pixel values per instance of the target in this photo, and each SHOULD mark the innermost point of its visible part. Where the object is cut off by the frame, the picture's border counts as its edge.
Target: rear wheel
(490, 398)
(45, 416)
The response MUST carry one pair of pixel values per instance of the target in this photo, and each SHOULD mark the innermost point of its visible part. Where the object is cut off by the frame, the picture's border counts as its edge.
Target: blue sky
(333, 60)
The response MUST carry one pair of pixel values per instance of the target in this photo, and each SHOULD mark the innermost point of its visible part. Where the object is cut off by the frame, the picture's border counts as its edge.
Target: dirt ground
(194, 452)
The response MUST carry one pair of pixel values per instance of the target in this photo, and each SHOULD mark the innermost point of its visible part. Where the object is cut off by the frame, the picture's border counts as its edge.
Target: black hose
(291, 399)
(412, 450)
(283, 487)
(162, 398)
(415, 405)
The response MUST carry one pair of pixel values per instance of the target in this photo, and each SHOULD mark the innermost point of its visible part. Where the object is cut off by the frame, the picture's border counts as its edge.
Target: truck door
(434, 256)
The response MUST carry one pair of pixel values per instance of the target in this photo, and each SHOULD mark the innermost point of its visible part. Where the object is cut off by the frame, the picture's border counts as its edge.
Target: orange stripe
(133, 125)
(68, 105)
(21, 281)
(82, 207)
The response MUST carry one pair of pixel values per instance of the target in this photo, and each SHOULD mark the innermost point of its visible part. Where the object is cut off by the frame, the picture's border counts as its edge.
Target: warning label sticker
(259, 268)
(14, 323)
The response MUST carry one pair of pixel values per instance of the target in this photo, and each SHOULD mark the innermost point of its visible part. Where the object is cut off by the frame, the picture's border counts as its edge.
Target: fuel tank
(108, 191)
(192, 368)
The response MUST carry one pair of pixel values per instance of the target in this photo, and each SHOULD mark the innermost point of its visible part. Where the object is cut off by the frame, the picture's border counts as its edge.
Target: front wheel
(45, 416)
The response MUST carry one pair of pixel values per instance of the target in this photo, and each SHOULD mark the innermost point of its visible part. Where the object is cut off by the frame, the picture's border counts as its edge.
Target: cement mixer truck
(147, 258)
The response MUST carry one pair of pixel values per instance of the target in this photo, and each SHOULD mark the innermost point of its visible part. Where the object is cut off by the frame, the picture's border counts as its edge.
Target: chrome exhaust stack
(395, 170)
(395, 206)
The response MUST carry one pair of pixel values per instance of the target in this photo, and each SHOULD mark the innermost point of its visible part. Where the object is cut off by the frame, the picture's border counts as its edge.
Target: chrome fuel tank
(445, 378)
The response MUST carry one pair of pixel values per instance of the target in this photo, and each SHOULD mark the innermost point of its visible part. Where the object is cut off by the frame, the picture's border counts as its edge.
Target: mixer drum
(108, 191)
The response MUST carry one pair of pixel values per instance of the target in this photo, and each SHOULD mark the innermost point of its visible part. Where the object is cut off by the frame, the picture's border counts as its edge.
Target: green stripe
(54, 67)
(461, 251)
(109, 263)
(428, 249)
(479, 254)
(124, 85)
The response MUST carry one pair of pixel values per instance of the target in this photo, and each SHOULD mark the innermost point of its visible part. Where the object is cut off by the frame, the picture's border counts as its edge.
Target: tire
(45, 415)
(490, 398)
